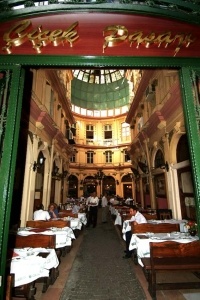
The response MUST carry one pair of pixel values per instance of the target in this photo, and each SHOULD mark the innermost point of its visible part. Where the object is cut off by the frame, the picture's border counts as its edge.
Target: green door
(11, 89)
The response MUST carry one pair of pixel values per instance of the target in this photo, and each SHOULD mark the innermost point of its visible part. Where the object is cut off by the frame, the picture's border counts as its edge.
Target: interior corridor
(95, 270)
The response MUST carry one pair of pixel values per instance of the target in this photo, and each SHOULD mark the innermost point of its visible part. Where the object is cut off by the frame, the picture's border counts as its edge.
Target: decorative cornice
(59, 88)
(147, 75)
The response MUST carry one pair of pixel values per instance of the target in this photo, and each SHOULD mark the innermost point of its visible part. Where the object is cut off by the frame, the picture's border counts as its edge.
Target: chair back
(35, 241)
(155, 228)
(174, 249)
(48, 224)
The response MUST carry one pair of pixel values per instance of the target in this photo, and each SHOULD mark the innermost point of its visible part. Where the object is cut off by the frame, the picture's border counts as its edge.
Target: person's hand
(135, 223)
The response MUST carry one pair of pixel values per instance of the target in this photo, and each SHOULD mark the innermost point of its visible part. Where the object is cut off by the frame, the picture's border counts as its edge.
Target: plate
(175, 233)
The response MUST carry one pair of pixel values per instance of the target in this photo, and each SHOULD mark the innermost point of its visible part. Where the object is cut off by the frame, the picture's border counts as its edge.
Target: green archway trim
(187, 11)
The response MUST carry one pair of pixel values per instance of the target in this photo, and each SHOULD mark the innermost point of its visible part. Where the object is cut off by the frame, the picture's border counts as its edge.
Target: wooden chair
(9, 286)
(155, 228)
(34, 241)
(48, 224)
(165, 216)
(67, 213)
(171, 256)
(149, 216)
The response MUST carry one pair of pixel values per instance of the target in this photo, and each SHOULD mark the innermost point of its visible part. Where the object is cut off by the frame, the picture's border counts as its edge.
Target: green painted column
(9, 141)
(191, 108)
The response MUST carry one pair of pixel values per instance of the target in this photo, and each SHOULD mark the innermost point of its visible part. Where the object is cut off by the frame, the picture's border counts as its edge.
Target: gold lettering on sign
(118, 33)
(39, 37)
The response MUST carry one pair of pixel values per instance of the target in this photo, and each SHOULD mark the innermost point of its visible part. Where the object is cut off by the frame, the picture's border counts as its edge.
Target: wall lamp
(58, 176)
(165, 166)
(40, 162)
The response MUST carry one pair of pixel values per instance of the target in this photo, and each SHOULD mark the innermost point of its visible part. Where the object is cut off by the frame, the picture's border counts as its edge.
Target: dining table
(127, 227)
(141, 242)
(75, 222)
(64, 235)
(29, 264)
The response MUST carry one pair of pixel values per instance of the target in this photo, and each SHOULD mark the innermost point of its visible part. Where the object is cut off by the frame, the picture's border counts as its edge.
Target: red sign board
(99, 34)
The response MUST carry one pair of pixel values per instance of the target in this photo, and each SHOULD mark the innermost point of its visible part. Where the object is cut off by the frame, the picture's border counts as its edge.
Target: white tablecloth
(27, 266)
(82, 217)
(143, 247)
(63, 235)
(126, 227)
(118, 219)
(171, 221)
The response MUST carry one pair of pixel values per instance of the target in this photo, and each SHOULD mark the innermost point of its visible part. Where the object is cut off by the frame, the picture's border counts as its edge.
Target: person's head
(133, 210)
(40, 206)
(51, 206)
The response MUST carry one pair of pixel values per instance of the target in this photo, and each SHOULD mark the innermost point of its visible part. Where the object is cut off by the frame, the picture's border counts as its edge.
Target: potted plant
(192, 227)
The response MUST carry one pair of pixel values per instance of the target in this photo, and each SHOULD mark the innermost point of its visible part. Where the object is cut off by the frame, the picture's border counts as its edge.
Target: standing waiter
(93, 202)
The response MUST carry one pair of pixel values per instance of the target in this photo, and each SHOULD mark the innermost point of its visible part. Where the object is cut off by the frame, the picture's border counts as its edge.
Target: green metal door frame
(17, 65)
(8, 158)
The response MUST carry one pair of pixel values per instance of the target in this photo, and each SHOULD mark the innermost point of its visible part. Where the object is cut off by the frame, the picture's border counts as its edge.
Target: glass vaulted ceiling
(100, 93)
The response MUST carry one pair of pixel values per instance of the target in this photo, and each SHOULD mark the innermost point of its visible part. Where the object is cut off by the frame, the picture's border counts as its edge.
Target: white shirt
(41, 215)
(139, 218)
(104, 201)
(75, 209)
(94, 201)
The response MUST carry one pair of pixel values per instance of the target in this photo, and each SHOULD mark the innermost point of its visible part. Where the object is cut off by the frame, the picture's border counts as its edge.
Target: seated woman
(53, 211)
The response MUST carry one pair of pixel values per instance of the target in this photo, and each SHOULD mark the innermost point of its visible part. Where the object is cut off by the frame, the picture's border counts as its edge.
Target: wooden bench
(34, 241)
(48, 224)
(67, 213)
(171, 256)
(155, 228)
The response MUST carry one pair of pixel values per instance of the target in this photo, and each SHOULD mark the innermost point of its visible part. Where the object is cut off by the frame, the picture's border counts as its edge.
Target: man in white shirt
(104, 208)
(136, 218)
(93, 202)
(40, 214)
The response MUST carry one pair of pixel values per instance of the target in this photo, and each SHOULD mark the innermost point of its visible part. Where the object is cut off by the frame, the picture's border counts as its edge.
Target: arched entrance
(15, 66)
(72, 187)
(127, 181)
(89, 185)
(109, 186)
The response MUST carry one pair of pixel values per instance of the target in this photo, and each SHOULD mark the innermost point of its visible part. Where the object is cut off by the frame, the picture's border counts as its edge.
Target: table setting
(63, 235)
(75, 223)
(141, 242)
(29, 264)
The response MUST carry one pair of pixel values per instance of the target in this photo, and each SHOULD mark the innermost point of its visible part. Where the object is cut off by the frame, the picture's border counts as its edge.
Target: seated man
(136, 218)
(40, 214)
